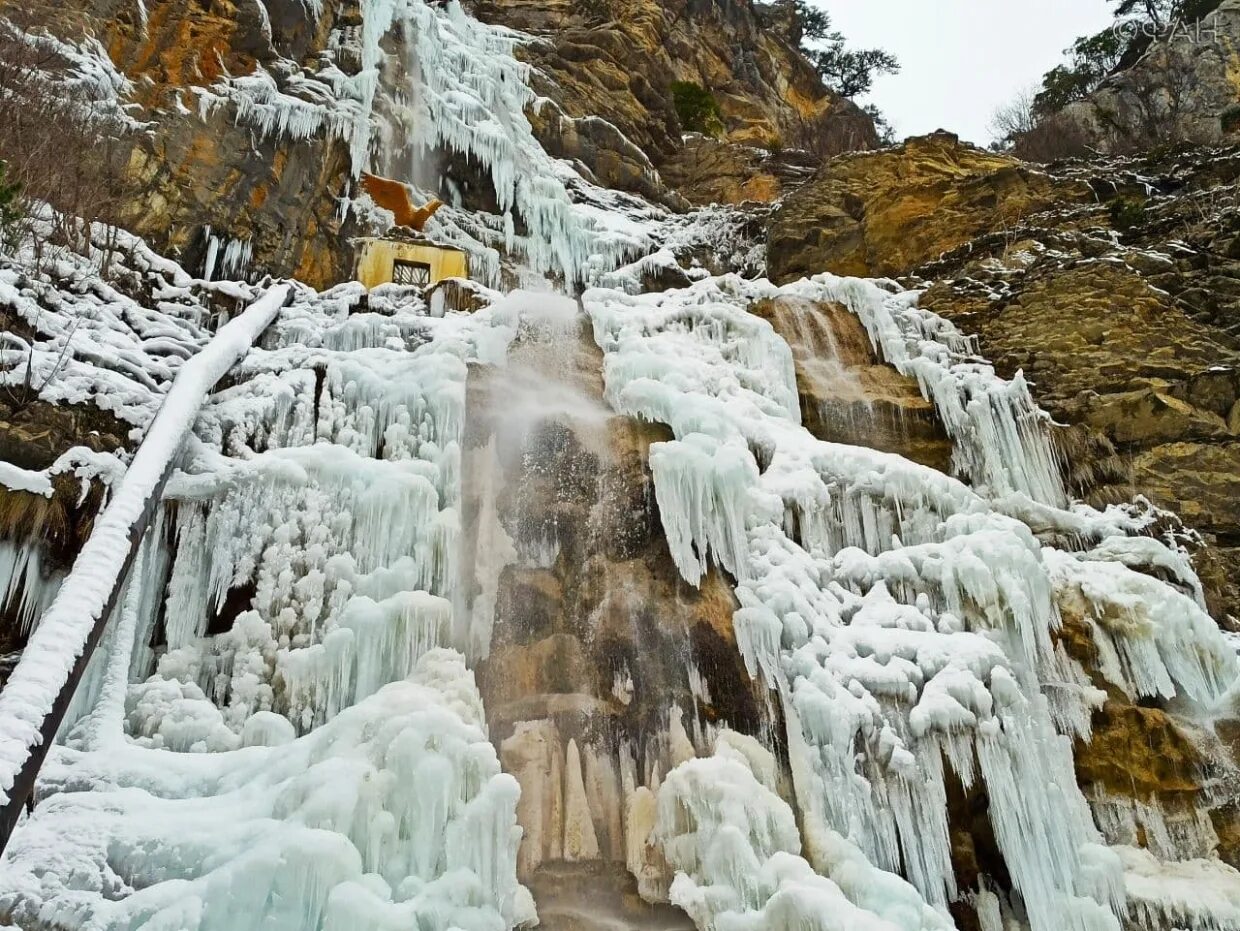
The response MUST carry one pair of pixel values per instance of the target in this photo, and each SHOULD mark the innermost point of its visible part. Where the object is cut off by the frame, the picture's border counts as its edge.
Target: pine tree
(847, 71)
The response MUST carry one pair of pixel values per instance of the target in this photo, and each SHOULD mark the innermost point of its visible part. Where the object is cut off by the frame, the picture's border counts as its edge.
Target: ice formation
(735, 847)
(62, 633)
(904, 619)
(333, 506)
(279, 732)
(317, 832)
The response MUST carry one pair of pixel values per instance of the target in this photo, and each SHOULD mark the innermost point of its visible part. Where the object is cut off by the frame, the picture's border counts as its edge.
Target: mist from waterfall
(567, 607)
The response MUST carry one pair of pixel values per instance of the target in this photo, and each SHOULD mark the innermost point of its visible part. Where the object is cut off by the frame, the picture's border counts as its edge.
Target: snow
(904, 618)
(62, 633)
(95, 343)
(15, 478)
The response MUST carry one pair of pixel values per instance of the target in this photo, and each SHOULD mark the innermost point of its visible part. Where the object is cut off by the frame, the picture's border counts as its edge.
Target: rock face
(1129, 337)
(1185, 88)
(710, 171)
(616, 61)
(199, 180)
(193, 172)
(887, 212)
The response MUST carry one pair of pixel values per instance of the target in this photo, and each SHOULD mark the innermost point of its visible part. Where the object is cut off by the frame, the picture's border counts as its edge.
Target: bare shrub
(831, 133)
(1052, 138)
(1034, 137)
(1014, 118)
(1149, 107)
(59, 146)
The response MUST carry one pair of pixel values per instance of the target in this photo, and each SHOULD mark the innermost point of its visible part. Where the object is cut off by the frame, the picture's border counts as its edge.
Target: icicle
(735, 847)
(25, 587)
(904, 618)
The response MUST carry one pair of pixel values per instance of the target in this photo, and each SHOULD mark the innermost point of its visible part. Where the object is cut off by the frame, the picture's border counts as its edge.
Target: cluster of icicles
(322, 762)
(310, 751)
(261, 776)
(904, 618)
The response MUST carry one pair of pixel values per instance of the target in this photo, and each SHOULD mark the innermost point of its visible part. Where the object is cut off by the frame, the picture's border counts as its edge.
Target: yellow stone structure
(408, 261)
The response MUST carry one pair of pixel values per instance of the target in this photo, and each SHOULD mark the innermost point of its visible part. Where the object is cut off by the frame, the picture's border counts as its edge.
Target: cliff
(722, 592)
(250, 121)
(1183, 88)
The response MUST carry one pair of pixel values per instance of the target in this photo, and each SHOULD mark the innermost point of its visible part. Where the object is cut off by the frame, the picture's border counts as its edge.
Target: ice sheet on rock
(320, 833)
(1195, 895)
(1171, 831)
(999, 433)
(1153, 640)
(904, 617)
(735, 848)
(1150, 553)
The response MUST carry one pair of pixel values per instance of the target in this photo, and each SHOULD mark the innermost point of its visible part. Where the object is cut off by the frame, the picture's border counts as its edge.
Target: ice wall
(903, 617)
(302, 749)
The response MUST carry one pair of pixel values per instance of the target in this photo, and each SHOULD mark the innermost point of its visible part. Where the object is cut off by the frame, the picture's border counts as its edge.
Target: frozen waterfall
(453, 620)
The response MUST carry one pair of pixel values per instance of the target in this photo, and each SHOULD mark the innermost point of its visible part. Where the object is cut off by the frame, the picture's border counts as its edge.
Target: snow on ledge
(61, 636)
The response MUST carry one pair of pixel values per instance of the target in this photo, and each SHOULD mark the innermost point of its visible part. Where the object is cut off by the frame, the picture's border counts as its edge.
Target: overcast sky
(961, 58)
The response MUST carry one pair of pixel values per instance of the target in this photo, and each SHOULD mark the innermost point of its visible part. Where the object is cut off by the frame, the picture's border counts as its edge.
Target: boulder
(884, 213)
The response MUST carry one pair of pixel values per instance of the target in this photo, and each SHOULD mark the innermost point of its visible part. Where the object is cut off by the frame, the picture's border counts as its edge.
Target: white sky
(961, 58)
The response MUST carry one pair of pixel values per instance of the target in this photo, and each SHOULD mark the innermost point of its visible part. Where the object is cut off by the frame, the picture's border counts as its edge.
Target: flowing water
(730, 606)
(592, 678)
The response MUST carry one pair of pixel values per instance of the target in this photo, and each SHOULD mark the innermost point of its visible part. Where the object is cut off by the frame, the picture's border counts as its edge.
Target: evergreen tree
(847, 71)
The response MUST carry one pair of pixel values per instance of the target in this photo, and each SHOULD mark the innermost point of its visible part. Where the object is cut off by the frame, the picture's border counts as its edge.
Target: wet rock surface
(847, 394)
(599, 643)
(1108, 283)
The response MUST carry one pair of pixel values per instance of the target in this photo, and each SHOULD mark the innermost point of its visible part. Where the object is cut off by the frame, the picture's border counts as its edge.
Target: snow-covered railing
(37, 695)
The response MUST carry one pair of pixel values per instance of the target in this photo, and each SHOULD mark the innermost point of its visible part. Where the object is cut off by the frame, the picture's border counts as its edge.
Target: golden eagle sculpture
(396, 197)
